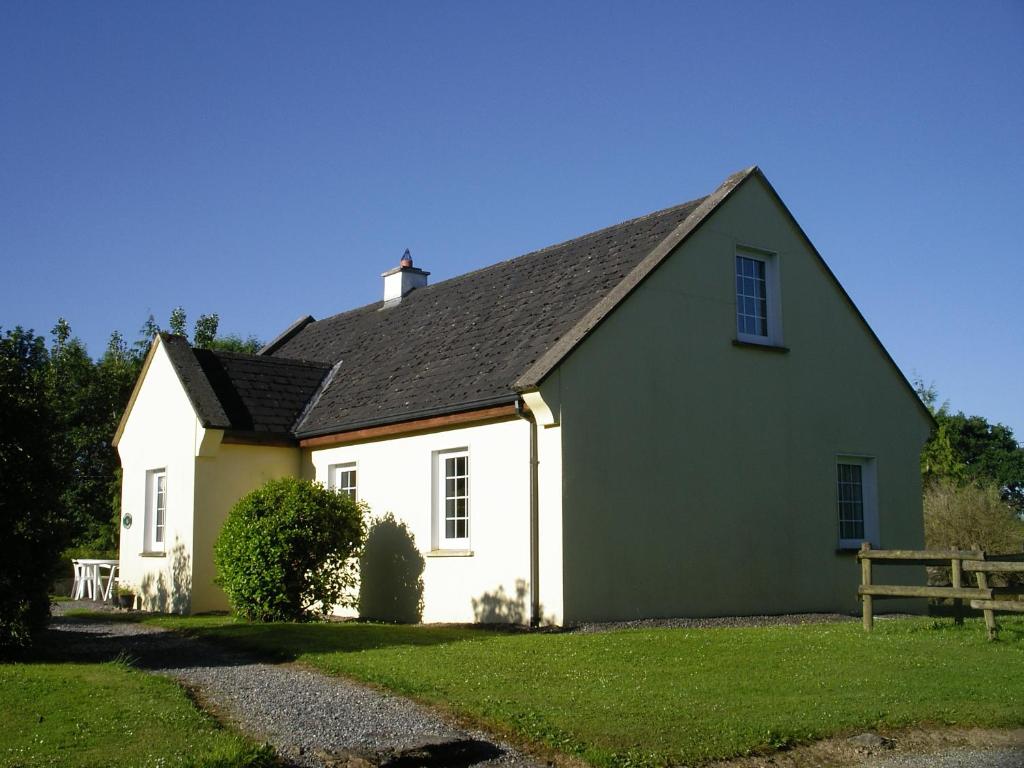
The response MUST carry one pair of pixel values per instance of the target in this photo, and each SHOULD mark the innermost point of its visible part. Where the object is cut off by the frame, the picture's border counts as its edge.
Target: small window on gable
(758, 317)
(451, 507)
(856, 501)
(342, 477)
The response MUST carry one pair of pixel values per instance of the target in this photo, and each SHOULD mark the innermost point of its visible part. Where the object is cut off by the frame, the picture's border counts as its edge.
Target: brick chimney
(398, 282)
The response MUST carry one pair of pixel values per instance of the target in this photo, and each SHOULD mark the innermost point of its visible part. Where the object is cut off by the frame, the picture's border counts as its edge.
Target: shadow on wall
(391, 574)
(176, 596)
(499, 607)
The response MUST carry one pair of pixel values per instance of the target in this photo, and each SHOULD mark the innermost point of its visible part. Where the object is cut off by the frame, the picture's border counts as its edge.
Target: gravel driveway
(312, 719)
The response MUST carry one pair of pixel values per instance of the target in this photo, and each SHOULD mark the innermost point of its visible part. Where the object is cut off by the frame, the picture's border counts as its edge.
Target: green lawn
(654, 697)
(109, 715)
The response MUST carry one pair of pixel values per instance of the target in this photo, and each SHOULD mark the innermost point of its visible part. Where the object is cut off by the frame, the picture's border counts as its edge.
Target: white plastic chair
(109, 588)
(84, 581)
(76, 586)
(91, 576)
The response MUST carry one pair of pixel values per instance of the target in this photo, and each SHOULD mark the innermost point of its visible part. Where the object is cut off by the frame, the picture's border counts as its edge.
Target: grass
(660, 696)
(109, 715)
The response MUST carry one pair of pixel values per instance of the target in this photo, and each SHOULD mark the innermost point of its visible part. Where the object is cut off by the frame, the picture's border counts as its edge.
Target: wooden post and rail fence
(983, 597)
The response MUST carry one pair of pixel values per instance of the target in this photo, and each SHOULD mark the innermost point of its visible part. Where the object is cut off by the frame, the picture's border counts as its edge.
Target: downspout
(525, 414)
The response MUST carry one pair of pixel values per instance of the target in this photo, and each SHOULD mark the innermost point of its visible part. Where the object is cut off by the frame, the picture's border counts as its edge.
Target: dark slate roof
(464, 342)
(254, 394)
(204, 400)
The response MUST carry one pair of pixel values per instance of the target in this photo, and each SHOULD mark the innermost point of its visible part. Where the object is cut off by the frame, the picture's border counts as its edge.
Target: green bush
(960, 515)
(964, 514)
(287, 551)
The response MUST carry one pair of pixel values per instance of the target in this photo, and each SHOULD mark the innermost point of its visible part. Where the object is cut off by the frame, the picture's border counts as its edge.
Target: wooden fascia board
(481, 415)
(547, 362)
(136, 389)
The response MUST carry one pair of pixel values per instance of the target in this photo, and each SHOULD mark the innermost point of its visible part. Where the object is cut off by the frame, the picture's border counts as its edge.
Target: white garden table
(91, 580)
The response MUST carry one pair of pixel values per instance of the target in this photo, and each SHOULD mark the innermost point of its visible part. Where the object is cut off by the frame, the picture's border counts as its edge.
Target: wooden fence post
(956, 576)
(990, 616)
(865, 580)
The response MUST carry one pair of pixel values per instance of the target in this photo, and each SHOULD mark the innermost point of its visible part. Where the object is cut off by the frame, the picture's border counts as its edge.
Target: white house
(682, 414)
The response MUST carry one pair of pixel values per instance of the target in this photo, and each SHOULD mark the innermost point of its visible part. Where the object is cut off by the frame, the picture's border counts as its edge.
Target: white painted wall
(396, 475)
(162, 431)
(549, 528)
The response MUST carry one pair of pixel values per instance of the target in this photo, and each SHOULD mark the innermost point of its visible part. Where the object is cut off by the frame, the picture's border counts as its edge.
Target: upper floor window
(856, 501)
(342, 477)
(452, 508)
(156, 509)
(758, 318)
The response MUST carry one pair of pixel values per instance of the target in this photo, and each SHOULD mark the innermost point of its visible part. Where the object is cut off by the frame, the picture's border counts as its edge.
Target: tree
(117, 371)
(988, 452)
(204, 334)
(287, 551)
(32, 531)
(178, 321)
(235, 343)
(205, 330)
(148, 330)
(86, 399)
(969, 449)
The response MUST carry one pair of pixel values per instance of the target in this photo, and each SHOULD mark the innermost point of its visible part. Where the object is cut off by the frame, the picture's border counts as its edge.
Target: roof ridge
(553, 246)
(314, 399)
(265, 358)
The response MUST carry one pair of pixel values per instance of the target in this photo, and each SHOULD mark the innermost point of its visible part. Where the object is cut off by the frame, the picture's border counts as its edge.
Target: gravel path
(312, 719)
(959, 757)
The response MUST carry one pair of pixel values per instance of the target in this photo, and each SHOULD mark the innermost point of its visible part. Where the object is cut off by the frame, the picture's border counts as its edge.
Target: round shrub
(287, 551)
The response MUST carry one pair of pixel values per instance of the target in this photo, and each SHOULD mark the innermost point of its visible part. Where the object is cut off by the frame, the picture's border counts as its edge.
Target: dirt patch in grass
(856, 750)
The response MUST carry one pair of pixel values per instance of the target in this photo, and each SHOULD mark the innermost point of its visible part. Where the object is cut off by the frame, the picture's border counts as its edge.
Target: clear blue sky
(265, 161)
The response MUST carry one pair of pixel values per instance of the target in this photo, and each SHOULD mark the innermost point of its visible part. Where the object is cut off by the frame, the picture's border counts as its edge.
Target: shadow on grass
(203, 641)
(287, 642)
(87, 640)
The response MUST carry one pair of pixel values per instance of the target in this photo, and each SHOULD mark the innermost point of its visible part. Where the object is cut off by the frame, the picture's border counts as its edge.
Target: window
(452, 509)
(856, 501)
(342, 477)
(156, 509)
(757, 305)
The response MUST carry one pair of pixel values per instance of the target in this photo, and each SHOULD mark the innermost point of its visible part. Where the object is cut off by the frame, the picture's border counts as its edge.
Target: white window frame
(869, 499)
(156, 516)
(441, 541)
(339, 483)
(773, 296)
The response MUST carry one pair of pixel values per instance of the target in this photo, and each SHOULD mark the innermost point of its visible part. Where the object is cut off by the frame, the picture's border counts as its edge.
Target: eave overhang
(502, 410)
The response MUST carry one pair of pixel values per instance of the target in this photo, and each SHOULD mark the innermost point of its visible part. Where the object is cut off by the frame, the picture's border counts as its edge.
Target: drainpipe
(525, 414)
